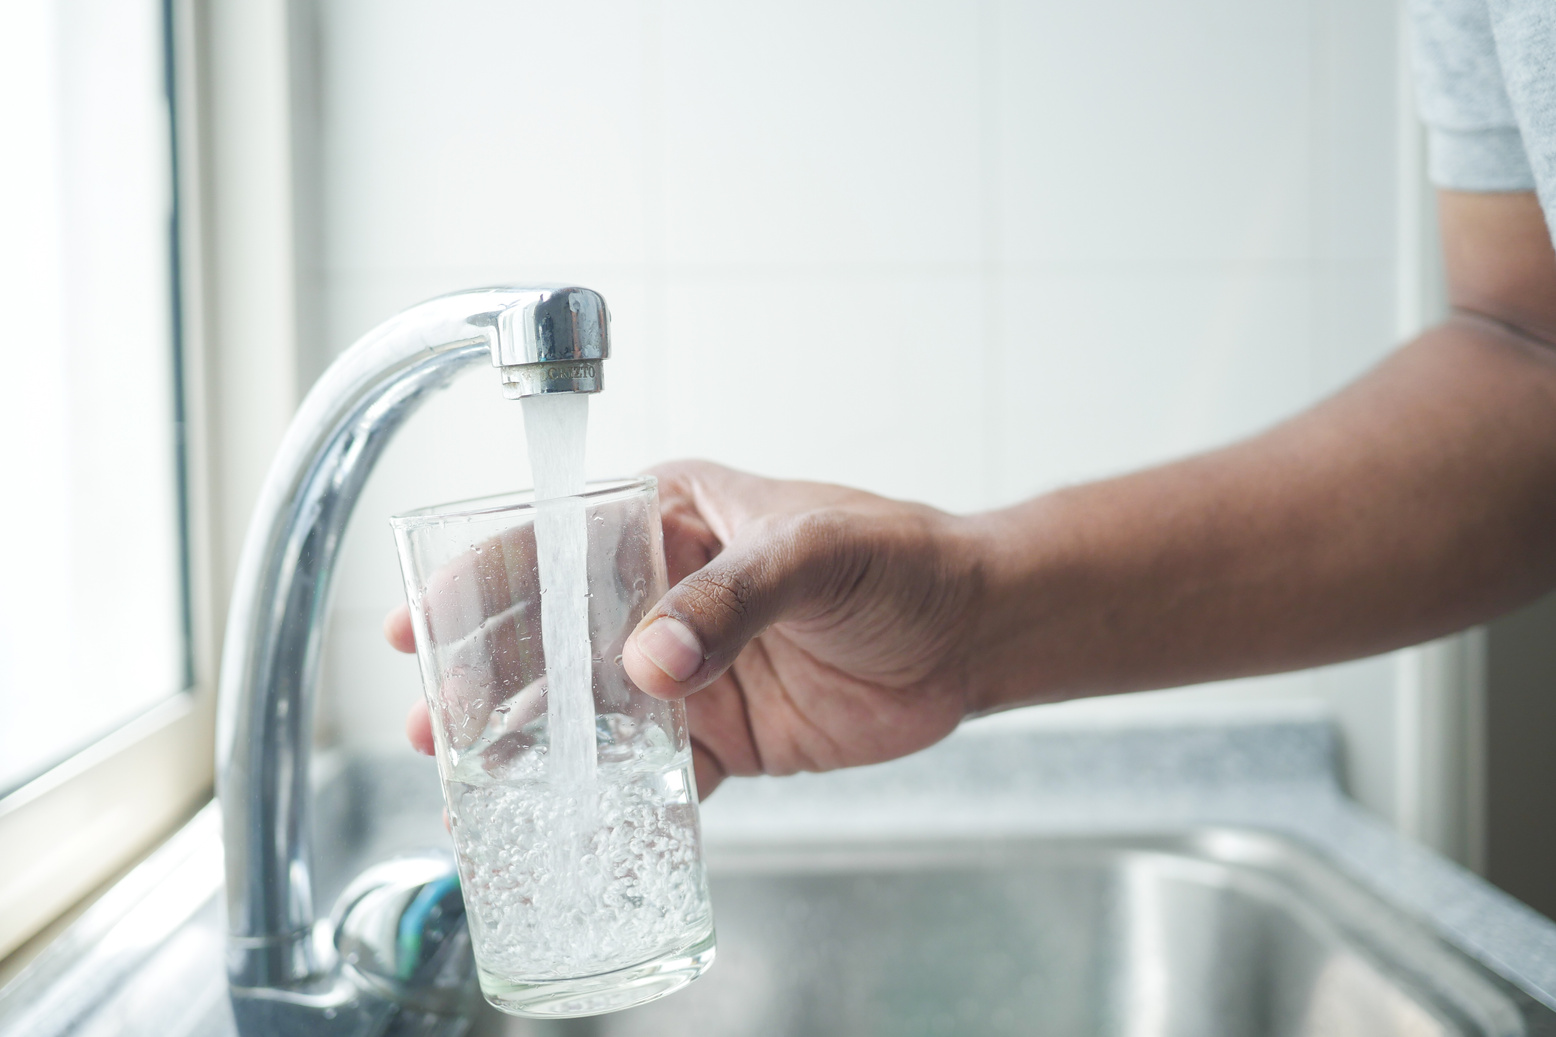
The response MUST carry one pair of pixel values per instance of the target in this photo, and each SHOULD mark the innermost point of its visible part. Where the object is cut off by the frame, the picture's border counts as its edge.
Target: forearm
(1420, 500)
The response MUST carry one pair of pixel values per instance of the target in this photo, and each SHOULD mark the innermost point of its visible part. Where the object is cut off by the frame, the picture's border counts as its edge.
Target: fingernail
(671, 646)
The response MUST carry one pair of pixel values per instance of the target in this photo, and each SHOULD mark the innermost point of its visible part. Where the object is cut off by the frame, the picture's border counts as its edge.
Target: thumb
(694, 633)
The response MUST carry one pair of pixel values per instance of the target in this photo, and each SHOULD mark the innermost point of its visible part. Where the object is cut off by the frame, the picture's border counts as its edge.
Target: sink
(1204, 880)
(1214, 933)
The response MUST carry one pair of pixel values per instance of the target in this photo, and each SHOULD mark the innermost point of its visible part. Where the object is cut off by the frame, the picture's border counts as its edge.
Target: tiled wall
(950, 250)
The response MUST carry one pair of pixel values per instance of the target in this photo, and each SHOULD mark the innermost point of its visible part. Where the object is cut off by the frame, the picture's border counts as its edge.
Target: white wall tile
(1104, 372)
(815, 131)
(1357, 103)
(1353, 327)
(1136, 131)
(877, 382)
(488, 131)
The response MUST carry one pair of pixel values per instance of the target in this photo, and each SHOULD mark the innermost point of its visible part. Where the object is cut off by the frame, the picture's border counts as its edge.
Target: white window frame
(70, 830)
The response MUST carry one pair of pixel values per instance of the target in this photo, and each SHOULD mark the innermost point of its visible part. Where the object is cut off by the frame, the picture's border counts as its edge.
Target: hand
(809, 627)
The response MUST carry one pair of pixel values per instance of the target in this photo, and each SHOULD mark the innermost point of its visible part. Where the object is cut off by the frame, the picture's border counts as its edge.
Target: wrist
(1016, 558)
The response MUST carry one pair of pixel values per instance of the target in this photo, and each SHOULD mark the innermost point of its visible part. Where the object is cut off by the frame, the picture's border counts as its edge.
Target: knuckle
(823, 529)
(823, 542)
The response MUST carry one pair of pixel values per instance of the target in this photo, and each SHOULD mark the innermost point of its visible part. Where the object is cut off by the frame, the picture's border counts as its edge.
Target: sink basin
(1197, 881)
(1214, 933)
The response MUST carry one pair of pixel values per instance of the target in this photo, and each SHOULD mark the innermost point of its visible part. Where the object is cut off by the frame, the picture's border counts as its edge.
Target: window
(95, 652)
(92, 627)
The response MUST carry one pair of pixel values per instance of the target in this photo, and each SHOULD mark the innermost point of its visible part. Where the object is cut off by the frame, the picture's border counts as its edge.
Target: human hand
(809, 626)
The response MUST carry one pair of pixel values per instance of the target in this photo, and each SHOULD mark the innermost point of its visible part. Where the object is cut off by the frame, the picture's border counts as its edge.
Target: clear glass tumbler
(583, 879)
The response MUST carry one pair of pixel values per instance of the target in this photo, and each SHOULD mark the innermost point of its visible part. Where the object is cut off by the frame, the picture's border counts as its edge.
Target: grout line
(824, 269)
(991, 245)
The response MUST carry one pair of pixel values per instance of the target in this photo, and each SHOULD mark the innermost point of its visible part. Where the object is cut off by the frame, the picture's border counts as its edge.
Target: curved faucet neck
(542, 339)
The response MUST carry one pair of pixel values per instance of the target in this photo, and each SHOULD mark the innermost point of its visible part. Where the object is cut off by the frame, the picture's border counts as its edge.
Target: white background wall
(950, 250)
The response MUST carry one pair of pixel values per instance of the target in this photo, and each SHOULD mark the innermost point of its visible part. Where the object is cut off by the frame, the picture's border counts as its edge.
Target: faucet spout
(542, 339)
(554, 344)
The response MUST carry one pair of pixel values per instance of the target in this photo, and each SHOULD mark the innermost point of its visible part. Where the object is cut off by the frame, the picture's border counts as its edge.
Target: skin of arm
(813, 627)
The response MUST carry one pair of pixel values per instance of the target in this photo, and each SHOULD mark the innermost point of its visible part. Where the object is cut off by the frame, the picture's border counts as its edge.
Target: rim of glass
(596, 491)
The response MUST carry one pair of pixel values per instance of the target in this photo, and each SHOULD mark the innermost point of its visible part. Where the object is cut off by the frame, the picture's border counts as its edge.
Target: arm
(813, 627)
(1419, 500)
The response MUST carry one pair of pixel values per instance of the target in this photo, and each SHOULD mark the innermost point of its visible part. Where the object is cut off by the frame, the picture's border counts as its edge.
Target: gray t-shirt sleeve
(1473, 139)
(1485, 73)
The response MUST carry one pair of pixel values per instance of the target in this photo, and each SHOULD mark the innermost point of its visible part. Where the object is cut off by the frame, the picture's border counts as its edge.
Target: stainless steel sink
(1217, 933)
(1209, 928)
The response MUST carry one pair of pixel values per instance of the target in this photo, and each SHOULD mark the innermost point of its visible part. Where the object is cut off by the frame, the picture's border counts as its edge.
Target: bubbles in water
(544, 903)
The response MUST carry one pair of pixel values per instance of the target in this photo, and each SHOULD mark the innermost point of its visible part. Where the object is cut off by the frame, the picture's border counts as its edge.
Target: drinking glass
(581, 867)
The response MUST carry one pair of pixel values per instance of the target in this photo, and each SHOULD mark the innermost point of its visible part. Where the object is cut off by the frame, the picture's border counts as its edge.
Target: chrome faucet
(290, 972)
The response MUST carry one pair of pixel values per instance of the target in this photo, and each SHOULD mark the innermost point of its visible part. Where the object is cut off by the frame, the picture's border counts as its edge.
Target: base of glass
(605, 992)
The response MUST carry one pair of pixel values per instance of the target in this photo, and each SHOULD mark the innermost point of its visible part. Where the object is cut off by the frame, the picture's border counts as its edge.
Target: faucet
(356, 973)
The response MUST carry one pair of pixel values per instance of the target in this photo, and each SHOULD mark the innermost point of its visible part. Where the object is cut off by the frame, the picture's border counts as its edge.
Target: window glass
(92, 599)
